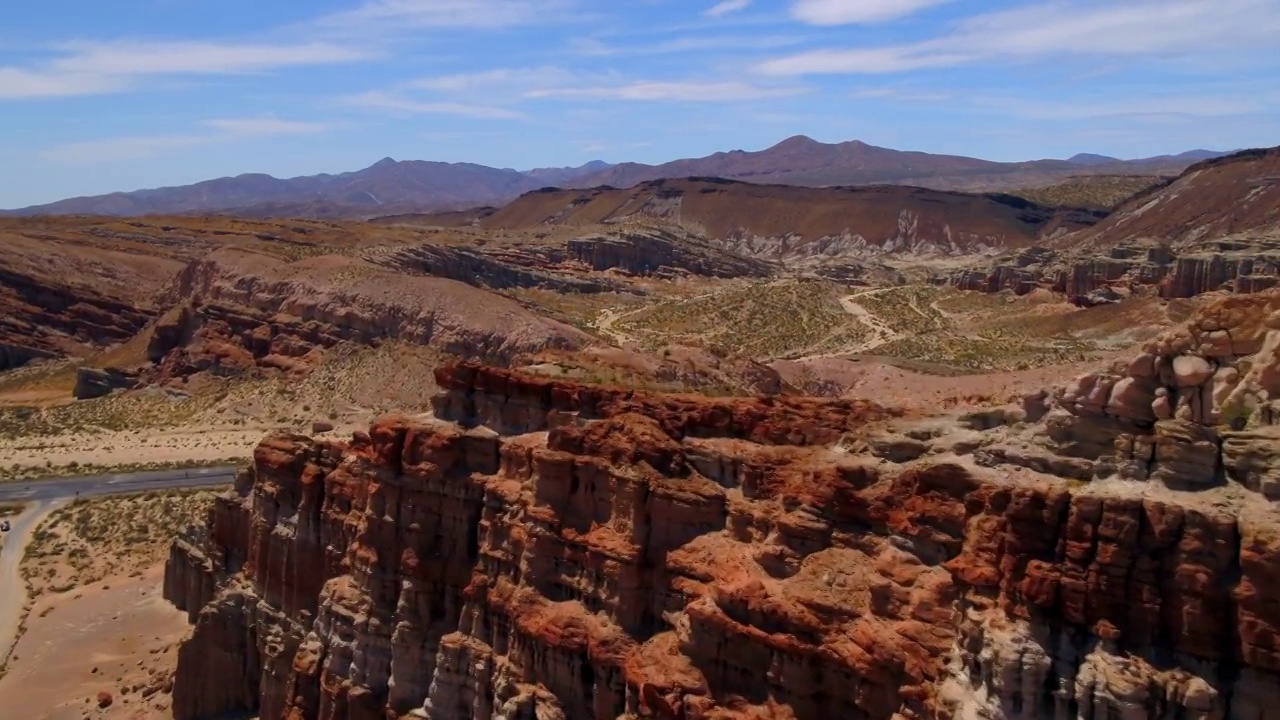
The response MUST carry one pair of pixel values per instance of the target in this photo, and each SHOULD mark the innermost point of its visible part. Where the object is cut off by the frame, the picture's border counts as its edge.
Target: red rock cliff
(612, 554)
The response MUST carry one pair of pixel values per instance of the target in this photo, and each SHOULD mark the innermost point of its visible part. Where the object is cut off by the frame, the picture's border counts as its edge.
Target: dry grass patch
(1102, 191)
(576, 309)
(763, 320)
(964, 331)
(93, 539)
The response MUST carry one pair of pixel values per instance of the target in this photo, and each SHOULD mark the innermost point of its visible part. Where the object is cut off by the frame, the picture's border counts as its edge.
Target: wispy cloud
(248, 127)
(730, 91)
(727, 7)
(523, 79)
(398, 104)
(848, 12)
(96, 68)
(1188, 103)
(904, 95)
(1168, 28)
(20, 83)
(119, 149)
(197, 58)
(400, 15)
(688, 44)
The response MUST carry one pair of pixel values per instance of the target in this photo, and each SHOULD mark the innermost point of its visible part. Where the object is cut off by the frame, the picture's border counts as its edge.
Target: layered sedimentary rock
(1239, 265)
(235, 311)
(42, 318)
(96, 382)
(498, 268)
(61, 298)
(541, 549)
(662, 253)
(794, 224)
(1213, 228)
(633, 249)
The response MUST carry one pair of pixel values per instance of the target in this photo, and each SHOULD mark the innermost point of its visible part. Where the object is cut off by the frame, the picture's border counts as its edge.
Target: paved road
(117, 484)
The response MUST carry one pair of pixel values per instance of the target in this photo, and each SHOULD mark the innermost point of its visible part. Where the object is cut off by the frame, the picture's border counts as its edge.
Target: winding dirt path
(13, 590)
(881, 332)
(604, 323)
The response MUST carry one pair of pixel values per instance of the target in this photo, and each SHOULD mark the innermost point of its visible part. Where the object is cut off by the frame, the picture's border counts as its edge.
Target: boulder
(1191, 370)
(98, 382)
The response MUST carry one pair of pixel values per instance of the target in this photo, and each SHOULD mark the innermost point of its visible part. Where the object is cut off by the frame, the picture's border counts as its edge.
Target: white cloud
(17, 83)
(523, 78)
(1190, 105)
(242, 127)
(96, 68)
(671, 92)
(197, 58)
(119, 149)
(865, 61)
(1192, 102)
(1167, 28)
(380, 100)
(417, 14)
(904, 95)
(848, 12)
(727, 7)
(689, 44)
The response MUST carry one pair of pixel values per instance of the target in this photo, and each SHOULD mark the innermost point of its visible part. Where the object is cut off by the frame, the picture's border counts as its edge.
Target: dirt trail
(13, 590)
(881, 332)
(604, 323)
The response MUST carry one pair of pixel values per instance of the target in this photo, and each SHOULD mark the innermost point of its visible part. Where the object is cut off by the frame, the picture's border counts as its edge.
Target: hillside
(1234, 194)
(1215, 227)
(884, 218)
(1098, 192)
(801, 160)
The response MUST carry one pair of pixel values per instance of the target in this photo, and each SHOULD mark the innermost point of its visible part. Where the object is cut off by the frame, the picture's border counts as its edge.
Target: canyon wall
(237, 310)
(540, 549)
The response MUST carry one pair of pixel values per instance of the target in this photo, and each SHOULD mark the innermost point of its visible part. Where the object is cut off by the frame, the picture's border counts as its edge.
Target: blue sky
(100, 96)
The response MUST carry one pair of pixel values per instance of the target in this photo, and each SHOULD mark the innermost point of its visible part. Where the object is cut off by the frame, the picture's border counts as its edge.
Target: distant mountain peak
(385, 162)
(797, 142)
(1091, 159)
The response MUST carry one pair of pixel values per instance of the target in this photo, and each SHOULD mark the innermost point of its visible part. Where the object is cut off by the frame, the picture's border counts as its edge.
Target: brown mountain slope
(882, 218)
(1215, 227)
(803, 161)
(61, 298)
(1101, 192)
(1236, 194)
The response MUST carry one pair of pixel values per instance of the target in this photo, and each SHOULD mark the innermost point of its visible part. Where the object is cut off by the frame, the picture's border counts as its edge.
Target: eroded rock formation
(235, 311)
(541, 549)
(1213, 228)
(632, 249)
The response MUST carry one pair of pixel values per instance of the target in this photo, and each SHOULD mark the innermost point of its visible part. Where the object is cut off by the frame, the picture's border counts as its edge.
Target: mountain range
(389, 186)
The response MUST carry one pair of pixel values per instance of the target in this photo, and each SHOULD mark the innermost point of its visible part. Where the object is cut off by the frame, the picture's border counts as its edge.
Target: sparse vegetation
(1102, 191)
(75, 469)
(89, 540)
(761, 320)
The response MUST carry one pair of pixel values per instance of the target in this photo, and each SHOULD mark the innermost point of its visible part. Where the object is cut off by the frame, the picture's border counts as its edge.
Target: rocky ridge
(552, 550)
(58, 299)
(632, 249)
(236, 311)
(1215, 227)
(785, 224)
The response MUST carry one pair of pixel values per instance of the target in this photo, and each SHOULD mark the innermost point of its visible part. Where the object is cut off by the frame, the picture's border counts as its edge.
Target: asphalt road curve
(116, 484)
